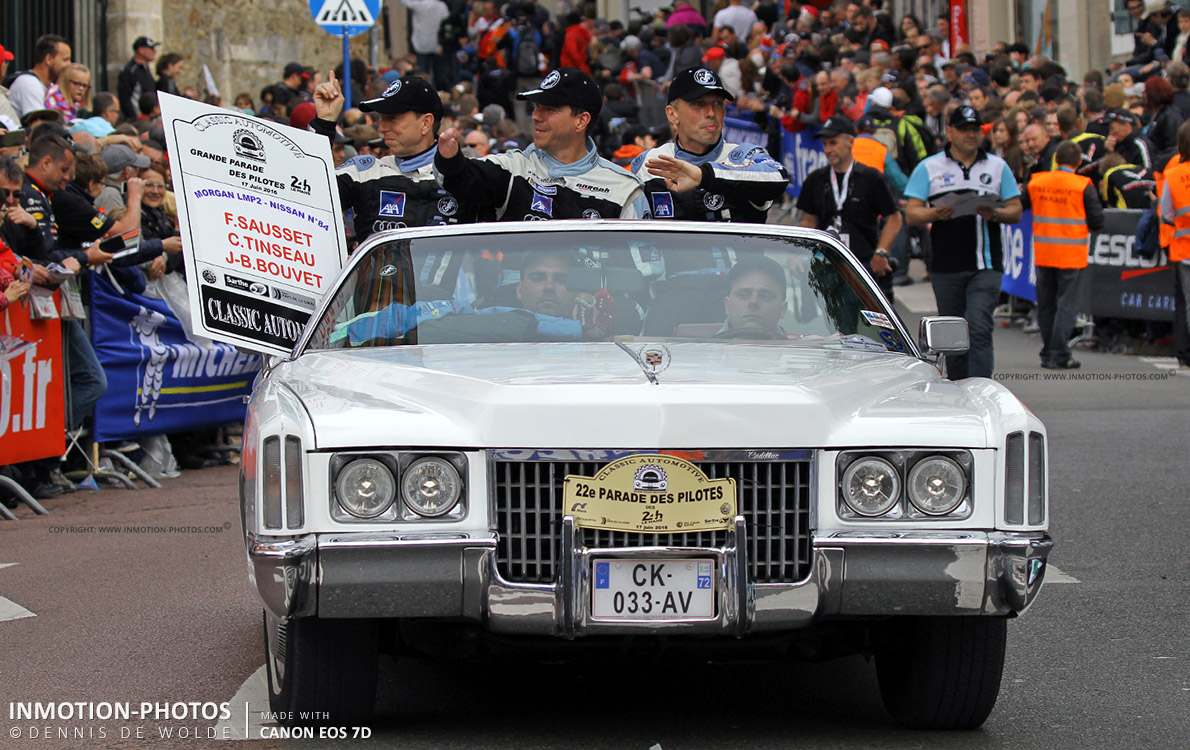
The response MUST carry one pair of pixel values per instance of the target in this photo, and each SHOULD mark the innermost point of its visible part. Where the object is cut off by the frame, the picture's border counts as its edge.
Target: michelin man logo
(552, 80)
(393, 88)
(704, 77)
(144, 327)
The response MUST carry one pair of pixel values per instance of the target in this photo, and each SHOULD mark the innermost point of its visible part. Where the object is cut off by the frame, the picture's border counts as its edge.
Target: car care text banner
(261, 222)
(1121, 284)
(32, 411)
(158, 380)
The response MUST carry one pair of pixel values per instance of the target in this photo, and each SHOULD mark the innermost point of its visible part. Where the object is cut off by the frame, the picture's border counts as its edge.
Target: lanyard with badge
(840, 195)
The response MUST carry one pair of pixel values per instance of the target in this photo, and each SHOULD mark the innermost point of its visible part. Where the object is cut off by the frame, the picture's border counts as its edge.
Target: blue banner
(158, 381)
(801, 153)
(1020, 276)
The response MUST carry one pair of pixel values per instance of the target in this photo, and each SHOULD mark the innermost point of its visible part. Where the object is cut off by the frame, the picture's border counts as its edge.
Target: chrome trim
(854, 574)
(283, 572)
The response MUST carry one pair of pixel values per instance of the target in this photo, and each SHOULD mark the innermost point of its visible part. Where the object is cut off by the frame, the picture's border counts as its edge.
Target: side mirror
(943, 335)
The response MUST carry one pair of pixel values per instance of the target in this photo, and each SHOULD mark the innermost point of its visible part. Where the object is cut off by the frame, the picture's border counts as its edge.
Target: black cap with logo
(695, 82)
(837, 125)
(144, 41)
(410, 94)
(965, 116)
(567, 86)
(1123, 115)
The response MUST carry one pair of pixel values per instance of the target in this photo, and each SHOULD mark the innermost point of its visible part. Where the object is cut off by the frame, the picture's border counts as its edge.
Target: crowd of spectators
(98, 159)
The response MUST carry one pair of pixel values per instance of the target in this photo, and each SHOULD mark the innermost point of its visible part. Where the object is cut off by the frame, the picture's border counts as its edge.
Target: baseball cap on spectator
(693, 83)
(294, 69)
(836, 125)
(5, 55)
(630, 42)
(714, 53)
(878, 46)
(302, 115)
(119, 157)
(567, 86)
(144, 41)
(96, 126)
(977, 76)
(1124, 116)
(390, 75)
(881, 97)
(1156, 6)
(408, 94)
(965, 116)
(865, 124)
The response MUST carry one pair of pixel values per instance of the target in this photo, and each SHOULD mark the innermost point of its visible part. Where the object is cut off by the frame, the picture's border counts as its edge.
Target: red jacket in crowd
(574, 49)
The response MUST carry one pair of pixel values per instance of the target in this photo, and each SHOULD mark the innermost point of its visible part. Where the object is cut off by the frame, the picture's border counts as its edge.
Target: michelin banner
(801, 153)
(158, 380)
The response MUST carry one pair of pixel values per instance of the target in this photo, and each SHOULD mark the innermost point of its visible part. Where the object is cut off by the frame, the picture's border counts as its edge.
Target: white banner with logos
(261, 222)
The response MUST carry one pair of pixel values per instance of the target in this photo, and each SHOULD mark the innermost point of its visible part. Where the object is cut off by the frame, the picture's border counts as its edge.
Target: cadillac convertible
(575, 435)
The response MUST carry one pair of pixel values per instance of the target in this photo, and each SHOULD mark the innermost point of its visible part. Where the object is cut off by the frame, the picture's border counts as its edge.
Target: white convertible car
(571, 435)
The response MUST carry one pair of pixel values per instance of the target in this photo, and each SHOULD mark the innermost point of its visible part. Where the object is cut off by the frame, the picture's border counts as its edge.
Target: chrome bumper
(453, 576)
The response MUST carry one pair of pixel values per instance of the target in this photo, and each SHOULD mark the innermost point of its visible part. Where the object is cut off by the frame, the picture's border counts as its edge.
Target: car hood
(594, 395)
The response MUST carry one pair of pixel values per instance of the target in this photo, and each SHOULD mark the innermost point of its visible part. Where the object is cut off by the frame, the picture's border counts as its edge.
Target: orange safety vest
(1059, 219)
(869, 152)
(1178, 182)
(1165, 231)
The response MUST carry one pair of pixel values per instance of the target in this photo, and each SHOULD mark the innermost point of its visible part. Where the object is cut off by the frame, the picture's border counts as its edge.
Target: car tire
(321, 671)
(942, 672)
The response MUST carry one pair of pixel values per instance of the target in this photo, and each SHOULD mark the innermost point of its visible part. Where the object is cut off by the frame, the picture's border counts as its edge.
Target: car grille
(774, 499)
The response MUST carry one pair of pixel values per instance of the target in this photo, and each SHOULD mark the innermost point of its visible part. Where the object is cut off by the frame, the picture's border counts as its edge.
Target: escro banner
(261, 222)
(158, 380)
(32, 407)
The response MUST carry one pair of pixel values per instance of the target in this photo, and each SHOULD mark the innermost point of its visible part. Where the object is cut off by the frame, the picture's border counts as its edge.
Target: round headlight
(365, 488)
(871, 486)
(936, 485)
(431, 486)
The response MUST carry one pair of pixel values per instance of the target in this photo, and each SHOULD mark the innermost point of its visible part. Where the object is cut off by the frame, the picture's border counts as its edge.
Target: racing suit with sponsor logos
(392, 192)
(531, 185)
(739, 183)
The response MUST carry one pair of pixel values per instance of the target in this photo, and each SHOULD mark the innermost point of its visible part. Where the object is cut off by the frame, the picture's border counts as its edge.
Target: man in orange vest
(1175, 209)
(1066, 209)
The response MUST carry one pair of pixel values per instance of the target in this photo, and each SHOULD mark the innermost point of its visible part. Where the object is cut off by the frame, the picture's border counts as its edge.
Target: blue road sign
(345, 17)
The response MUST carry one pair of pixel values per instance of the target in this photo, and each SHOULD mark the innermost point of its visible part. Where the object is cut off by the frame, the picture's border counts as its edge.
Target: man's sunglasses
(5, 193)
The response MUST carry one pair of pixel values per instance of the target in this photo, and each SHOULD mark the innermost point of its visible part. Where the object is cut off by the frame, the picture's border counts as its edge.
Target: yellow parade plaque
(650, 493)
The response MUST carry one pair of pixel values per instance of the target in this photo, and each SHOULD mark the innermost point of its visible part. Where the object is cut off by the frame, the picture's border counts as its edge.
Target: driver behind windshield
(559, 312)
(755, 301)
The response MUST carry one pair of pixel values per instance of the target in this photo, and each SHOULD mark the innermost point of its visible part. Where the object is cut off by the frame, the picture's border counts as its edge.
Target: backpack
(12, 77)
(1148, 234)
(528, 51)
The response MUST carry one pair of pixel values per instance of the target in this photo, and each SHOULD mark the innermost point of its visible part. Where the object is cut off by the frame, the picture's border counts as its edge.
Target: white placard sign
(258, 206)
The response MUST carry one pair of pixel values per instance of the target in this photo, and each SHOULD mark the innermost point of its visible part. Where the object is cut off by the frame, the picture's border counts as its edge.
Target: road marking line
(10, 610)
(249, 702)
(1166, 363)
(1055, 575)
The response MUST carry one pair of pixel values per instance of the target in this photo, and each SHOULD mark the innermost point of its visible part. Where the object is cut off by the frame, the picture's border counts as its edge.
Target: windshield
(599, 286)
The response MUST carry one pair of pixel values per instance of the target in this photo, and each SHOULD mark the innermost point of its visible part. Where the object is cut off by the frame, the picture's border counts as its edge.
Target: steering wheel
(750, 332)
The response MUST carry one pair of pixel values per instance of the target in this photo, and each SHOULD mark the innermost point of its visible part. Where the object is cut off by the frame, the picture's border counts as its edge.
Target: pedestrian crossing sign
(345, 16)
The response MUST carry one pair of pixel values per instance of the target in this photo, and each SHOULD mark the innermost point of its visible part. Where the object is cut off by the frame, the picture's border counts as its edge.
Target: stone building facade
(244, 43)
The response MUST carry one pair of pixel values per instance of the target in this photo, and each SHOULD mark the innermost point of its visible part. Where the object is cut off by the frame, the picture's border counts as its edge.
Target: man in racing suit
(400, 190)
(561, 176)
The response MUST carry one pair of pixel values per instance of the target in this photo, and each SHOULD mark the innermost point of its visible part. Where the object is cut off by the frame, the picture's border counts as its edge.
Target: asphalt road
(164, 614)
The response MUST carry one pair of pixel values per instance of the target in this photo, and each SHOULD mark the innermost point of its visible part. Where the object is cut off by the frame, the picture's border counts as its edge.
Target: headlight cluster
(390, 487)
(905, 484)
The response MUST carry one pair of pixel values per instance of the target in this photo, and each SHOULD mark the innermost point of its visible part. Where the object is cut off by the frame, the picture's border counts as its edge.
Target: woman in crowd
(1167, 118)
(1004, 144)
(169, 67)
(910, 29)
(155, 224)
(71, 92)
(245, 104)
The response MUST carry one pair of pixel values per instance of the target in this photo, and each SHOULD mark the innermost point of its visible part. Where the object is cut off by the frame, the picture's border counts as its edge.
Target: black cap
(695, 82)
(294, 69)
(567, 86)
(837, 125)
(865, 124)
(144, 41)
(965, 116)
(409, 94)
(1122, 115)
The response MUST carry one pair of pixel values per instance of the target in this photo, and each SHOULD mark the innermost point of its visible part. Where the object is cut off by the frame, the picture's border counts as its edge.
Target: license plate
(652, 589)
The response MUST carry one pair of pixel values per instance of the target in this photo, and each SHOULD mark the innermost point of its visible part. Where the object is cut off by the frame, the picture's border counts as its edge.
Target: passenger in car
(755, 301)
